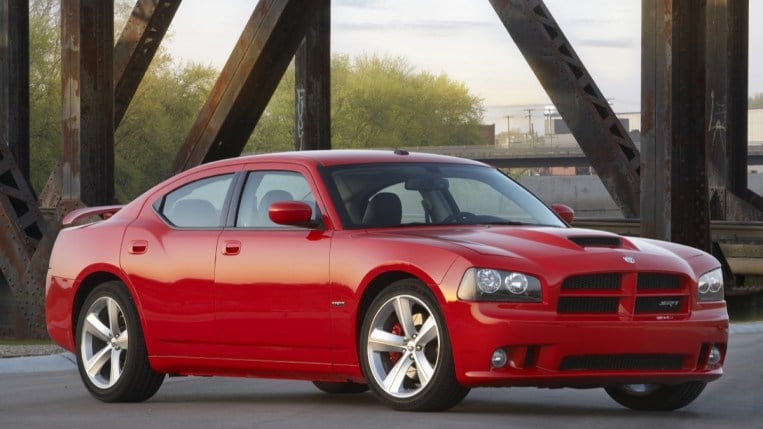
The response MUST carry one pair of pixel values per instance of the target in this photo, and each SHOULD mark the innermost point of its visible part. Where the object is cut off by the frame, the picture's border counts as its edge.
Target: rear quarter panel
(78, 253)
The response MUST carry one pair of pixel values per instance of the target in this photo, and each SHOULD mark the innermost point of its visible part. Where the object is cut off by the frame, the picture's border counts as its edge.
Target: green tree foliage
(379, 102)
(756, 101)
(155, 125)
(44, 89)
(376, 102)
(157, 122)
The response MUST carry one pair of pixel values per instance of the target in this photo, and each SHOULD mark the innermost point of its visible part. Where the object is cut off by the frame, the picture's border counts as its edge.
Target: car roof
(329, 158)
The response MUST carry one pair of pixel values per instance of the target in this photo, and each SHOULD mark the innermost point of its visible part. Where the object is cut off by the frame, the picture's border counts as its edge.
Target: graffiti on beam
(301, 107)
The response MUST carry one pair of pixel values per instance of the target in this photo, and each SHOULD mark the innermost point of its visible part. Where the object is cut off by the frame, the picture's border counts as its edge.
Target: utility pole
(530, 125)
(508, 130)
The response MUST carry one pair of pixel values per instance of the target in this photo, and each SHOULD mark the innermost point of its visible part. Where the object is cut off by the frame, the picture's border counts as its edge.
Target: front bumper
(550, 350)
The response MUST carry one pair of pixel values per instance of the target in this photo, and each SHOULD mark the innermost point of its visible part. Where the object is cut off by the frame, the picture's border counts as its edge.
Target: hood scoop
(597, 241)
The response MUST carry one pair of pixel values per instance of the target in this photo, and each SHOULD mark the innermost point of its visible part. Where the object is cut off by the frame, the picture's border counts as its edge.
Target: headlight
(710, 286)
(486, 284)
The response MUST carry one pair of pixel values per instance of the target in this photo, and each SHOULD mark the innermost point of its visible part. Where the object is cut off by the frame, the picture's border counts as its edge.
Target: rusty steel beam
(133, 52)
(736, 23)
(22, 230)
(14, 80)
(136, 47)
(87, 38)
(247, 81)
(726, 112)
(312, 87)
(571, 88)
(673, 139)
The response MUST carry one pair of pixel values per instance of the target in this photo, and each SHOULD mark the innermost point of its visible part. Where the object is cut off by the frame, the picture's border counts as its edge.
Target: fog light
(714, 357)
(499, 359)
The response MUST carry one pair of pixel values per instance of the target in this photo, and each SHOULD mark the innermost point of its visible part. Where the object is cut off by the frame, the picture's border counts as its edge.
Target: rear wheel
(405, 350)
(346, 387)
(111, 352)
(656, 397)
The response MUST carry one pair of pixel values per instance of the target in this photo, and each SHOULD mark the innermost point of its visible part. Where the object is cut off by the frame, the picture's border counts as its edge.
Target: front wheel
(111, 352)
(405, 350)
(655, 397)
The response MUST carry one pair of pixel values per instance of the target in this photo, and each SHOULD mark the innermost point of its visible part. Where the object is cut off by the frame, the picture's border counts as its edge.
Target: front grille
(653, 281)
(584, 304)
(659, 304)
(624, 294)
(592, 282)
(597, 241)
(653, 362)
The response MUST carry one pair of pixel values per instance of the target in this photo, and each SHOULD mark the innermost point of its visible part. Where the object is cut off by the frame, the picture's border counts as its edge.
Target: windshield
(386, 195)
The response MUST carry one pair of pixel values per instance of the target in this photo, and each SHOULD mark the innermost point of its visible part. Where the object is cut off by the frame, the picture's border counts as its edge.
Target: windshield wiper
(504, 222)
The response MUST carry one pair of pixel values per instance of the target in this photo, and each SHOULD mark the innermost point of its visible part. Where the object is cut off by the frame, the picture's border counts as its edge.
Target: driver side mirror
(292, 213)
(565, 212)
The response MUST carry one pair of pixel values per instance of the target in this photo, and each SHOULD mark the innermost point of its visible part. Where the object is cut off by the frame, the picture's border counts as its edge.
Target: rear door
(169, 252)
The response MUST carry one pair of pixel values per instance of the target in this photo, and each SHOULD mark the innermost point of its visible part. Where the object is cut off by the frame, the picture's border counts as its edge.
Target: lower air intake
(654, 362)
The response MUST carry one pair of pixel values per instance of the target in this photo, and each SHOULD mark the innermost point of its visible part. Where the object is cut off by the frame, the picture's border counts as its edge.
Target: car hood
(544, 248)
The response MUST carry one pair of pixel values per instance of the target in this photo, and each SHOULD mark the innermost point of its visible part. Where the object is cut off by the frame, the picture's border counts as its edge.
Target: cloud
(425, 27)
(360, 4)
(606, 43)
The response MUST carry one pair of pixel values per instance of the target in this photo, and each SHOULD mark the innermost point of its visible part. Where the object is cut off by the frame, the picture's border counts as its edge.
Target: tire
(650, 397)
(111, 351)
(340, 388)
(405, 350)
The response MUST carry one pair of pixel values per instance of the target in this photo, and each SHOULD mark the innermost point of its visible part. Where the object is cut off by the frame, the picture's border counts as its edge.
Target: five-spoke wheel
(405, 350)
(111, 353)
(104, 342)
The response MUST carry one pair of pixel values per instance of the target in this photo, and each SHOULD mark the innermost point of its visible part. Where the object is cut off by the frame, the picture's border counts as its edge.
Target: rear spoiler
(104, 212)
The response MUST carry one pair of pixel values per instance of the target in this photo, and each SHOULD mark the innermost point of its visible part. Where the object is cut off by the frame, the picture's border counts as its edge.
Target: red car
(419, 276)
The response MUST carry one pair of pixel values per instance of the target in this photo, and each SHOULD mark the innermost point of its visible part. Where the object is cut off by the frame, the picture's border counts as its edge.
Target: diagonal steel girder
(133, 52)
(21, 231)
(247, 81)
(573, 91)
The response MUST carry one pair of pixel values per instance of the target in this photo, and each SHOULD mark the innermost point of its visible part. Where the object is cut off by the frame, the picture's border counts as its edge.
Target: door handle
(138, 247)
(232, 248)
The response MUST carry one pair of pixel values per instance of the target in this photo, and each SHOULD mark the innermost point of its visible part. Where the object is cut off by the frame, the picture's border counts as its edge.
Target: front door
(272, 302)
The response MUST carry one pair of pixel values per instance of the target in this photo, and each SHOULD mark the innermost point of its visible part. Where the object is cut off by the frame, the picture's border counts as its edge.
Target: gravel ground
(12, 350)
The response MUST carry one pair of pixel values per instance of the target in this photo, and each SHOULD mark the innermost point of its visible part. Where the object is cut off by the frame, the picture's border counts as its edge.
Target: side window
(263, 188)
(198, 204)
(382, 208)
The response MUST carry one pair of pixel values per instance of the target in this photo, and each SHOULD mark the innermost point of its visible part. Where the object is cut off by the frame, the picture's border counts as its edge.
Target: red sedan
(419, 276)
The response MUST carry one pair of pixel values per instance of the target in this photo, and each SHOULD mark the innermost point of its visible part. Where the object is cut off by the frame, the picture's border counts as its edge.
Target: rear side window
(197, 204)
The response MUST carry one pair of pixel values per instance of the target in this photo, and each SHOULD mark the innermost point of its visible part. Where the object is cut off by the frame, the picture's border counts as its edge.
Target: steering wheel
(459, 217)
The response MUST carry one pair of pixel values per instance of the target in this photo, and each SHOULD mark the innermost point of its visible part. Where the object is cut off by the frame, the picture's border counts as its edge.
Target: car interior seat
(384, 209)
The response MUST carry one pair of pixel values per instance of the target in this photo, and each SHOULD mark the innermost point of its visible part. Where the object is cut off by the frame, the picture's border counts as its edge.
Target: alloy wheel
(104, 342)
(403, 346)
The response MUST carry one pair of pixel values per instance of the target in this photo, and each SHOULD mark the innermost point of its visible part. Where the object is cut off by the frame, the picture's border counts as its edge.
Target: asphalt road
(57, 399)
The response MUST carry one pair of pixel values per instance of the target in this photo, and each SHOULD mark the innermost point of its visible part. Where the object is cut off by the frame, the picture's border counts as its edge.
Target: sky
(465, 40)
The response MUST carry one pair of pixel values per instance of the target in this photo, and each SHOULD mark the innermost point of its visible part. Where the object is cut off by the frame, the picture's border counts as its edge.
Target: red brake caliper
(394, 356)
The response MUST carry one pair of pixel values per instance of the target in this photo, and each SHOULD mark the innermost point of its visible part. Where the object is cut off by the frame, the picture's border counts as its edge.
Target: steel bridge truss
(691, 112)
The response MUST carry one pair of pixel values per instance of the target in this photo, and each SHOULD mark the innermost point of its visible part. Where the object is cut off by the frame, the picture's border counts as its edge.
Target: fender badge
(629, 259)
